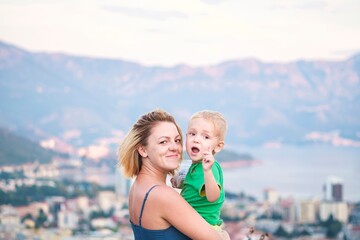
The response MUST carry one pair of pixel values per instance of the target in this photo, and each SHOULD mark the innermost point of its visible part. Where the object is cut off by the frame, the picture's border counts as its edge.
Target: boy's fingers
(205, 159)
(208, 152)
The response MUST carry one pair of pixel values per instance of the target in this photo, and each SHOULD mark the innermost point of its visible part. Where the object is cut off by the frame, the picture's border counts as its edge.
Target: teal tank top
(170, 233)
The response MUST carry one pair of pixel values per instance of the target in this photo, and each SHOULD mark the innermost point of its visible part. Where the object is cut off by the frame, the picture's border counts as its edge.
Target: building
(106, 200)
(122, 184)
(339, 211)
(67, 219)
(333, 189)
(271, 196)
(307, 211)
(288, 210)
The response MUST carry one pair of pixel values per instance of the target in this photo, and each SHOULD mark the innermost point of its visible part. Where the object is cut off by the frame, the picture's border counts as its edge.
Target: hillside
(84, 101)
(15, 150)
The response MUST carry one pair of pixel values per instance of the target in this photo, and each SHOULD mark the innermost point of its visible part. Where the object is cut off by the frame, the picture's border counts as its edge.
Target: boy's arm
(212, 190)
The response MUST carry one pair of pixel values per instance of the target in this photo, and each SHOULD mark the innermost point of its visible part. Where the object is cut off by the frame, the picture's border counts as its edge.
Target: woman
(151, 150)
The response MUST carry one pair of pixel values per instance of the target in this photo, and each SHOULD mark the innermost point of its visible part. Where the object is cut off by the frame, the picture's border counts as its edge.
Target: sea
(296, 172)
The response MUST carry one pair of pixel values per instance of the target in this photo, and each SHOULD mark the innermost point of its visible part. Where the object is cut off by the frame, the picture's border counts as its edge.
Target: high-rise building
(122, 184)
(338, 210)
(307, 210)
(333, 189)
(271, 196)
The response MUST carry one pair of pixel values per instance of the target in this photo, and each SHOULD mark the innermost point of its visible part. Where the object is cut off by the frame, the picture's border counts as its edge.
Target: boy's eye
(206, 137)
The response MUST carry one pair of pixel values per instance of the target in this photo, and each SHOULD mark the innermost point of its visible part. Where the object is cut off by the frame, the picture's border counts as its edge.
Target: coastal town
(59, 200)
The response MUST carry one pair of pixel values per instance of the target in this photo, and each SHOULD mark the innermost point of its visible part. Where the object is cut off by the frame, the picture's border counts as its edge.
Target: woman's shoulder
(165, 189)
(164, 193)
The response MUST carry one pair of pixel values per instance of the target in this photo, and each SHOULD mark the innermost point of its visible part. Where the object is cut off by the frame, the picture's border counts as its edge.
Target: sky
(193, 32)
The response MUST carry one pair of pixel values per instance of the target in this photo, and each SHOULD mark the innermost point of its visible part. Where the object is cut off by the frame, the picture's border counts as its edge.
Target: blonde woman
(151, 150)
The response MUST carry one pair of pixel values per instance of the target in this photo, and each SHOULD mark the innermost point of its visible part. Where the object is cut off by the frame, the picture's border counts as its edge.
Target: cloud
(314, 5)
(193, 32)
(71, 134)
(332, 138)
(273, 117)
(213, 2)
(145, 13)
(334, 5)
(319, 110)
(273, 145)
(313, 109)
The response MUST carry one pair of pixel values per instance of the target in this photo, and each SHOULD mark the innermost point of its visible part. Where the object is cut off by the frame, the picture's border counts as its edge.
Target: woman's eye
(163, 142)
(178, 140)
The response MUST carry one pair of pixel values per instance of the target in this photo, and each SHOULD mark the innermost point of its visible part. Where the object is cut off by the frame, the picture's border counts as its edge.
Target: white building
(306, 211)
(271, 196)
(122, 184)
(106, 200)
(67, 219)
(339, 211)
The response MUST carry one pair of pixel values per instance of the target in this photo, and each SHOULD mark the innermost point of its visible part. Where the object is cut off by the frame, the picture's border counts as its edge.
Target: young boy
(203, 187)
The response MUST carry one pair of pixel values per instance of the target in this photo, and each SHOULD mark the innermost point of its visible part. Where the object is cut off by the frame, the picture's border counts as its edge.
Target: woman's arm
(175, 210)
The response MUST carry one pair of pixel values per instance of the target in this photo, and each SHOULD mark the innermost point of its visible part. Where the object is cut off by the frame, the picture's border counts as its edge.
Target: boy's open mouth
(195, 150)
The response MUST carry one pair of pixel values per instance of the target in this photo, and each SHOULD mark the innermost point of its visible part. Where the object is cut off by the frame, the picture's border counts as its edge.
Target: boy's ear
(142, 151)
(219, 146)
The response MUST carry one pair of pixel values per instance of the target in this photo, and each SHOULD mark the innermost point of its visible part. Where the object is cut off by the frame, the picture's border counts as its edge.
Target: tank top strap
(143, 204)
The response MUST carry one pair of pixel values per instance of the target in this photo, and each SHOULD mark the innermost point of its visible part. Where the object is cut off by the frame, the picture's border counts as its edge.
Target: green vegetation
(40, 219)
(281, 232)
(16, 150)
(24, 195)
(12, 175)
(332, 226)
(101, 214)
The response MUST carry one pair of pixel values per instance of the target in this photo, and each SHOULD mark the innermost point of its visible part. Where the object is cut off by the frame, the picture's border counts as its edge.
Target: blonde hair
(128, 156)
(216, 118)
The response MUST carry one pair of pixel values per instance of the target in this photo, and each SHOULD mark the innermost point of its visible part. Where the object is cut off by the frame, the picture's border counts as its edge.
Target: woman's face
(164, 147)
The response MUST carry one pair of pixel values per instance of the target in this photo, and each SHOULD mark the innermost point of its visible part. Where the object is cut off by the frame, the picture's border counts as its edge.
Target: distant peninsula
(228, 159)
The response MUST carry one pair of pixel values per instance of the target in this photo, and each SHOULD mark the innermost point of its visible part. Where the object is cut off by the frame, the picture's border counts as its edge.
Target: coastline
(240, 163)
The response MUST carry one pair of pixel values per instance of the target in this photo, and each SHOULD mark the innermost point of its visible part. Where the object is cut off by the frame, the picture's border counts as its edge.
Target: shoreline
(240, 163)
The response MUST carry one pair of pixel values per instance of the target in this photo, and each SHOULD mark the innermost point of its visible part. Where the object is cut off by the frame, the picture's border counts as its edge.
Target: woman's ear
(219, 147)
(142, 151)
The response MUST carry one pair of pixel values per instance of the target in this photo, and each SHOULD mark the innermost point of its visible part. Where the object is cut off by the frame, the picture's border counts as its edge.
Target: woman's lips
(173, 156)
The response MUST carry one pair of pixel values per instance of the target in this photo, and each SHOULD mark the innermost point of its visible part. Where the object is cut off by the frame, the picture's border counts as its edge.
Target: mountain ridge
(16, 150)
(96, 98)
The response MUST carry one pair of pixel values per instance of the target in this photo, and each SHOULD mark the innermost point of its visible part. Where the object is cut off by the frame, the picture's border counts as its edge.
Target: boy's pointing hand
(208, 159)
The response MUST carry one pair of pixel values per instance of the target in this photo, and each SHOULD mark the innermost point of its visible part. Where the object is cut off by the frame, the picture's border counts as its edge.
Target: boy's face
(201, 137)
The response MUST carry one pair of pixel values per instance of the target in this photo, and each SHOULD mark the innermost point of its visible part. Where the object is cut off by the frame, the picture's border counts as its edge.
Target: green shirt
(193, 191)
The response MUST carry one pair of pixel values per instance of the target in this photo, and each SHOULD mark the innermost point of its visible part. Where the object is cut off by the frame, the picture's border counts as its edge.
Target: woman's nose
(174, 146)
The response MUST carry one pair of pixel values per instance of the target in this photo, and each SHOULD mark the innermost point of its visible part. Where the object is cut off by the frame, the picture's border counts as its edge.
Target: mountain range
(77, 102)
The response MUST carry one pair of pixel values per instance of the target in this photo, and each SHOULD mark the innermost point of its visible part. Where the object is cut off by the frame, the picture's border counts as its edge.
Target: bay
(297, 172)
